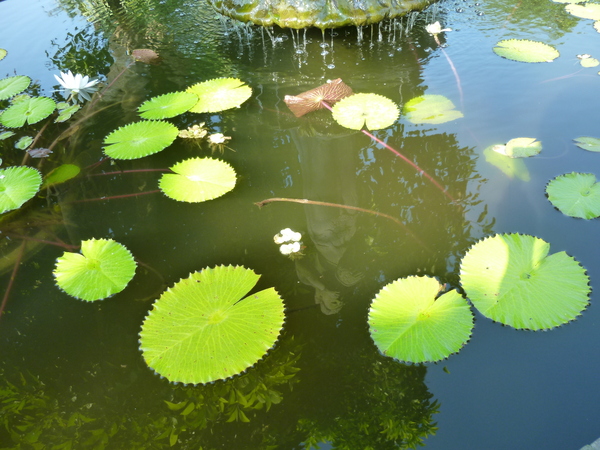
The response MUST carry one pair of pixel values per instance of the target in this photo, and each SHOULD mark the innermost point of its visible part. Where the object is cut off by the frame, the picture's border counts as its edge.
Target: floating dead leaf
(146, 56)
(39, 152)
(311, 100)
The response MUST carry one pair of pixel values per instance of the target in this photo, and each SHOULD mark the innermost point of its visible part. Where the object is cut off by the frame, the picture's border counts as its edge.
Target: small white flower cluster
(289, 241)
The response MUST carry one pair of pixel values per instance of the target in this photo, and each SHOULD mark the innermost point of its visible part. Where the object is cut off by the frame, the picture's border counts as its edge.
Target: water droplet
(331, 66)
(459, 10)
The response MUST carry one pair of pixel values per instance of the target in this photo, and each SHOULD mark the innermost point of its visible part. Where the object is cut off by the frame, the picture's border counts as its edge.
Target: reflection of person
(329, 174)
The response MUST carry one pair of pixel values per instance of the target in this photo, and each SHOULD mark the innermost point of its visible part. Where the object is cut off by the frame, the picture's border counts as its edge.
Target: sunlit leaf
(206, 327)
(365, 110)
(590, 144)
(575, 194)
(519, 148)
(198, 180)
(167, 105)
(525, 50)
(511, 279)
(139, 139)
(67, 112)
(586, 11)
(219, 94)
(103, 268)
(433, 109)
(30, 110)
(2, 54)
(589, 62)
(409, 322)
(61, 174)
(512, 167)
(311, 100)
(13, 85)
(17, 185)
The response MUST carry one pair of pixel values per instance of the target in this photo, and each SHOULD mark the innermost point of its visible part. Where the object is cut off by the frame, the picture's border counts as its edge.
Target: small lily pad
(587, 11)
(139, 139)
(219, 94)
(167, 105)
(591, 144)
(512, 167)
(67, 112)
(198, 179)
(575, 194)
(365, 110)
(17, 185)
(103, 268)
(519, 148)
(24, 142)
(206, 327)
(6, 134)
(61, 174)
(525, 50)
(13, 85)
(433, 109)
(510, 278)
(409, 323)
(30, 110)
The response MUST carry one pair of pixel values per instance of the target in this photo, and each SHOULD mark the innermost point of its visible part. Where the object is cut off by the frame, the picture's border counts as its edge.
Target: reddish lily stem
(118, 172)
(13, 275)
(100, 199)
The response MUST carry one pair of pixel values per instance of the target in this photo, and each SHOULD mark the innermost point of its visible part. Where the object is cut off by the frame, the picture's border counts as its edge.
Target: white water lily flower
(287, 235)
(218, 138)
(77, 85)
(436, 28)
(288, 249)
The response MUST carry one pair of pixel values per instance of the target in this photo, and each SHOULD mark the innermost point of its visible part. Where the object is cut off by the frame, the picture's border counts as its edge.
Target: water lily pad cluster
(509, 278)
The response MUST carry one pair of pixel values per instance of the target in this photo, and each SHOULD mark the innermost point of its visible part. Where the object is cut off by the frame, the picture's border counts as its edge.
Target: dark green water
(84, 381)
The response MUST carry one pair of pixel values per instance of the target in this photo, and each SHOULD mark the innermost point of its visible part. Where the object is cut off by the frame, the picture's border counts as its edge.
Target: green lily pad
(24, 142)
(206, 327)
(525, 50)
(511, 167)
(433, 109)
(519, 148)
(575, 194)
(219, 94)
(510, 278)
(67, 112)
(409, 323)
(198, 180)
(597, 26)
(589, 62)
(590, 144)
(59, 175)
(6, 135)
(2, 54)
(103, 268)
(13, 85)
(167, 105)
(587, 11)
(30, 110)
(365, 110)
(17, 185)
(139, 139)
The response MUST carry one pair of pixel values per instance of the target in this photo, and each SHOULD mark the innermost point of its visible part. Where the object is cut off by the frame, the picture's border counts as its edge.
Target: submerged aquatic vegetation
(206, 327)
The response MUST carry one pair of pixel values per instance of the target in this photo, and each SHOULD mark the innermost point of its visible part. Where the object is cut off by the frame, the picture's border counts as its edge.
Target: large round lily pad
(140, 139)
(365, 110)
(575, 194)
(103, 268)
(219, 94)
(409, 323)
(512, 279)
(13, 85)
(167, 105)
(524, 50)
(198, 180)
(17, 185)
(206, 327)
(28, 110)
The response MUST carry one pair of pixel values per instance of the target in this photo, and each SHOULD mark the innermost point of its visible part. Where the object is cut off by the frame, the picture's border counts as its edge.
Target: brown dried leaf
(39, 152)
(146, 56)
(311, 100)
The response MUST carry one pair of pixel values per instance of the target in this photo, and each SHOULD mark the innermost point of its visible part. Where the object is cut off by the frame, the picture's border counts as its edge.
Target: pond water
(72, 372)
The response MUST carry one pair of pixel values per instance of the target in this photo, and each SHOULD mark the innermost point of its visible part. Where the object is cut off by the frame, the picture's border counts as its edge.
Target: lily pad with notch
(29, 110)
(431, 109)
(409, 322)
(103, 268)
(167, 105)
(17, 185)
(588, 10)
(525, 50)
(12, 86)
(512, 279)
(372, 111)
(519, 148)
(198, 180)
(591, 144)
(575, 195)
(219, 94)
(207, 327)
(140, 139)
